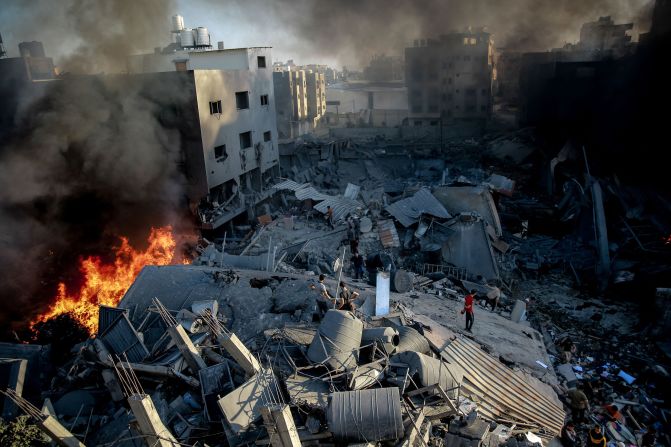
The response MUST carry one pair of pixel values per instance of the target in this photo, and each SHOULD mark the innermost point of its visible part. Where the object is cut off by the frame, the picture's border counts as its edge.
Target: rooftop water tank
(186, 38)
(337, 340)
(202, 37)
(177, 23)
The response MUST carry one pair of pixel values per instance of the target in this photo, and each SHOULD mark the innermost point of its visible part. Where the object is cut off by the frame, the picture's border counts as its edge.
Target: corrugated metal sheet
(290, 184)
(500, 392)
(388, 235)
(342, 206)
(408, 210)
(107, 316)
(121, 338)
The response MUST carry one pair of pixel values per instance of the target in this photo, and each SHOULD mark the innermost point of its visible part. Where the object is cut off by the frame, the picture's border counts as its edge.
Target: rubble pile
(178, 374)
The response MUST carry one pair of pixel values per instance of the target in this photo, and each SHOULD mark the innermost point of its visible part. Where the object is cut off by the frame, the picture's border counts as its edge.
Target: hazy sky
(308, 31)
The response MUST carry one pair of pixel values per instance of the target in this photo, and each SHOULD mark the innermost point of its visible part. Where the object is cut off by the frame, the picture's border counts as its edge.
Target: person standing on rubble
(579, 404)
(468, 309)
(347, 298)
(357, 264)
(493, 297)
(595, 438)
(329, 216)
(325, 301)
(354, 245)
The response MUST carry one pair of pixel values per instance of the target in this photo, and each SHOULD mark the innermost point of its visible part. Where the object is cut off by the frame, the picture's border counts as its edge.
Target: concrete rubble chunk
(242, 406)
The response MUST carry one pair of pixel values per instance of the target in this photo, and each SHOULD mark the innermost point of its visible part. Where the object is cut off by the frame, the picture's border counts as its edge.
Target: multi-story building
(450, 78)
(316, 96)
(300, 97)
(232, 91)
(604, 36)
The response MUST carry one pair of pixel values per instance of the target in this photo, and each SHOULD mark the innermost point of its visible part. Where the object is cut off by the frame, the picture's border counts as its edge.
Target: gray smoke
(91, 159)
(351, 31)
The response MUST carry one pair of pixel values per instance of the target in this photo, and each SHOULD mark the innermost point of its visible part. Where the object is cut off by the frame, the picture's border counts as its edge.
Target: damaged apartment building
(231, 152)
(300, 100)
(450, 78)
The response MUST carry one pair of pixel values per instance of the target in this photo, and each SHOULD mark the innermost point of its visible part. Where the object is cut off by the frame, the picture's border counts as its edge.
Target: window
(220, 152)
(267, 136)
(245, 140)
(180, 66)
(261, 61)
(264, 100)
(215, 107)
(242, 100)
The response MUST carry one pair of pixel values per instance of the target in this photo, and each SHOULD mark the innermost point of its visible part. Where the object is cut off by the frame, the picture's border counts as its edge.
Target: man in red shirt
(468, 309)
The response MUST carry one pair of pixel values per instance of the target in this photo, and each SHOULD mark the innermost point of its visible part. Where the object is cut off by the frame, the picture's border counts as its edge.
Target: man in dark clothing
(596, 438)
(354, 245)
(357, 264)
(329, 216)
(468, 309)
(569, 438)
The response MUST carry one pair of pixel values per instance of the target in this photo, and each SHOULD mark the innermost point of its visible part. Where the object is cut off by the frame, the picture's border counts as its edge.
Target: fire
(105, 284)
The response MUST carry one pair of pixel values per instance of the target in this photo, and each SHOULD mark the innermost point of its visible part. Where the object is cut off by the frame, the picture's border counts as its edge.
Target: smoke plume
(90, 158)
(351, 31)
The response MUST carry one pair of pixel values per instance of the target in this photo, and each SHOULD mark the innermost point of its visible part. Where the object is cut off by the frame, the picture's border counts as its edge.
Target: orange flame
(105, 284)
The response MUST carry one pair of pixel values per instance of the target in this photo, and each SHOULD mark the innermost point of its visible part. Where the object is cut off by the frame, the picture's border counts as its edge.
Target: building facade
(316, 96)
(235, 102)
(450, 78)
(300, 100)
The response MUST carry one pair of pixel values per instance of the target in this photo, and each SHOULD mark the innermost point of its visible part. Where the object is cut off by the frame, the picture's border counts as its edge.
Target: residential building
(232, 90)
(450, 78)
(316, 96)
(604, 36)
(300, 100)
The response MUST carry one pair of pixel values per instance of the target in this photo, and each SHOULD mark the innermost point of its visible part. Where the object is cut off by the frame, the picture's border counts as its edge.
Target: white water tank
(202, 37)
(186, 38)
(177, 23)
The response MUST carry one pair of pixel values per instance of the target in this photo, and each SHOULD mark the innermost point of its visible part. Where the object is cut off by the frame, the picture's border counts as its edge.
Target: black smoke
(89, 158)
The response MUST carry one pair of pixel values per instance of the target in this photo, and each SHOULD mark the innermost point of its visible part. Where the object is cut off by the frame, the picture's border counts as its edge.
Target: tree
(21, 433)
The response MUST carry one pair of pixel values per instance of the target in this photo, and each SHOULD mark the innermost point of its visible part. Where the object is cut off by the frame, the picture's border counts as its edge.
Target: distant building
(602, 40)
(604, 36)
(300, 99)
(450, 78)
(316, 96)
(384, 68)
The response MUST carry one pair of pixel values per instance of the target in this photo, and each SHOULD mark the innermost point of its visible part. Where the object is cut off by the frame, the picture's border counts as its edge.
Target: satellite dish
(337, 265)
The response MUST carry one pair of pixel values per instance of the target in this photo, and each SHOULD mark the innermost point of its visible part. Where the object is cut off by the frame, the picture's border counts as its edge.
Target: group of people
(580, 408)
(325, 300)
